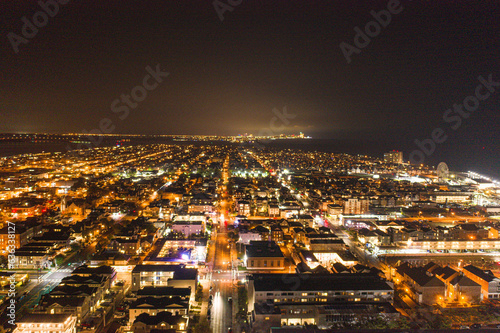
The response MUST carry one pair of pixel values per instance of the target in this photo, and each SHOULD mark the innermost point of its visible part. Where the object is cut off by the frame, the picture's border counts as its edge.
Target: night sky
(226, 77)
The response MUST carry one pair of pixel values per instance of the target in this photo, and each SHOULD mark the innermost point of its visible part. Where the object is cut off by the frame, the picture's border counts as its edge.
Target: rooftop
(308, 282)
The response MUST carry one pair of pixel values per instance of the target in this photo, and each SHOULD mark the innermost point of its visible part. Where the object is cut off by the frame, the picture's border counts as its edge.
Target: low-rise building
(32, 258)
(243, 207)
(164, 275)
(459, 288)
(304, 219)
(14, 237)
(188, 227)
(450, 197)
(162, 321)
(303, 289)
(129, 247)
(422, 285)
(274, 210)
(277, 234)
(42, 323)
(262, 255)
(247, 236)
(154, 305)
(182, 293)
(490, 284)
(77, 306)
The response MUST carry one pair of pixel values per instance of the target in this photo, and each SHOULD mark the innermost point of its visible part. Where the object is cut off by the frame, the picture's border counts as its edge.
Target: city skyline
(177, 68)
(257, 166)
(218, 237)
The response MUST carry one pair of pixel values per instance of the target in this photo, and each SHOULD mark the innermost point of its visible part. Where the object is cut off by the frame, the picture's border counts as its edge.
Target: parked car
(475, 326)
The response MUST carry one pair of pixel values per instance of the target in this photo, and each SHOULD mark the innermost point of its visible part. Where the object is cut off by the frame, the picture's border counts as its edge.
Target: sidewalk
(28, 287)
(204, 304)
(235, 326)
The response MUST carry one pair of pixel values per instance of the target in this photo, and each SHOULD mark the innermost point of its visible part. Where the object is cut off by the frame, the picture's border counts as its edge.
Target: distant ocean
(457, 158)
(11, 149)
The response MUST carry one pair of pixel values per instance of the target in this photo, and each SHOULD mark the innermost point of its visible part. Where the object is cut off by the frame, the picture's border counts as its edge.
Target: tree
(376, 323)
(150, 228)
(3, 261)
(439, 322)
(241, 315)
(353, 234)
(400, 323)
(233, 235)
(58, 260)
(202, 327)
(199, 293)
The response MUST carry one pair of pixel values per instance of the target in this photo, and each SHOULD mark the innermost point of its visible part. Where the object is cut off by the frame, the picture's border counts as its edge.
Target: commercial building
(451, 197)
(303, 289)
(164, 275)
(42, 323)
(453, 244)
(188, 227)
(264, 255)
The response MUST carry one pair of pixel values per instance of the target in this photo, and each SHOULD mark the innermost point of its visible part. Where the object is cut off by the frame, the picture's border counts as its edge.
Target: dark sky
(225, 77)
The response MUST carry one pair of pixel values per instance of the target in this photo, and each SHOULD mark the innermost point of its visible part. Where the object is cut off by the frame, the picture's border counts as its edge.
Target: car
(475, 326)
(498, 325)
(464, 327)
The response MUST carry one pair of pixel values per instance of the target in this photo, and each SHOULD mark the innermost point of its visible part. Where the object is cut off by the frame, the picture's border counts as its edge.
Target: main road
(32, 295)
(221, 278)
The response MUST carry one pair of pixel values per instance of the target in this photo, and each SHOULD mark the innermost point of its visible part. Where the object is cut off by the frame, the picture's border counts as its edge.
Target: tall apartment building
(356, 206)
(393, 157)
